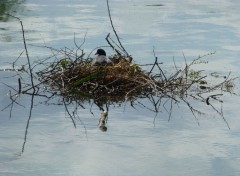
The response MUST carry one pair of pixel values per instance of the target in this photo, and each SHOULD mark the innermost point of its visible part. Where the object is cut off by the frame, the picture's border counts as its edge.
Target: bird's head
(100, 52)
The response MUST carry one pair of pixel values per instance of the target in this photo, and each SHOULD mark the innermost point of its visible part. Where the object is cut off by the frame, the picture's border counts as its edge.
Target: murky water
(136, 143)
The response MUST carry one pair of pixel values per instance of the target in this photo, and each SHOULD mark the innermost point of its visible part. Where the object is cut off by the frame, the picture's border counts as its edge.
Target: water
(136, 143)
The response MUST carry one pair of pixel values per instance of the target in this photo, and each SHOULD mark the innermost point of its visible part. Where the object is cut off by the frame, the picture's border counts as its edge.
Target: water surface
(136, 143)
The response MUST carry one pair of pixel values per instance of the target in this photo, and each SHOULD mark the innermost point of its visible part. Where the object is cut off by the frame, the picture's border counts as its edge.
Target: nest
(118, 82)
(74, 78)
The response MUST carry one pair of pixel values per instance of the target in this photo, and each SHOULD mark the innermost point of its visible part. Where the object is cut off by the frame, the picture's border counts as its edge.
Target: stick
(26, 50)
(112, 45)
(109, 14)
(28, 122)
(19, 86)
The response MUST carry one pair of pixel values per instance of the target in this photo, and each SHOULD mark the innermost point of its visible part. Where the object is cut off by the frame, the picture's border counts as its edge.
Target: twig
(156, 63)
(221, 114)
(212, 96)
(19, 86)
(115, 32)
(70, 115)
(111, 44)
(26, 50)
(28, 122)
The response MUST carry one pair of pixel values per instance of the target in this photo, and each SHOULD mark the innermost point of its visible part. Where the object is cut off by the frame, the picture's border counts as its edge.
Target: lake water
(137, 142)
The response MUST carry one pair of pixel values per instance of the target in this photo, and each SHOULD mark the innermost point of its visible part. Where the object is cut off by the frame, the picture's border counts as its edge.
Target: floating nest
(124, 80)
(118, 82)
